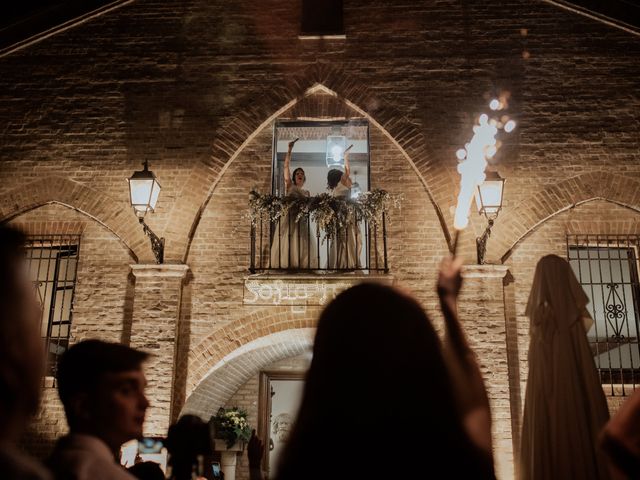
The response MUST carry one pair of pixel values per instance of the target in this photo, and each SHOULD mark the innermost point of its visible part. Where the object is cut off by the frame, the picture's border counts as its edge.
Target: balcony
(320, 234)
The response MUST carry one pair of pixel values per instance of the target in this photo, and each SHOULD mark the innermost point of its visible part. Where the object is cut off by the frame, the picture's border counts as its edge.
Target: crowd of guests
(417, 406)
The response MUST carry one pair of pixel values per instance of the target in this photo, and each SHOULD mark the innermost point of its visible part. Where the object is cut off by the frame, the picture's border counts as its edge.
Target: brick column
(482, 312)
(156, 308)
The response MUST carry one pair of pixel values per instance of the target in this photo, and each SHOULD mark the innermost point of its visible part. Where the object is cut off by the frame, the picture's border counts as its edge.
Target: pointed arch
(234, 135)
(520, 222)
(113, 215)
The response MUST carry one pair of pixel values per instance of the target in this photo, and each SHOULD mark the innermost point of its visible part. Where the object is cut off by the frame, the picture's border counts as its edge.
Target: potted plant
(231, 425)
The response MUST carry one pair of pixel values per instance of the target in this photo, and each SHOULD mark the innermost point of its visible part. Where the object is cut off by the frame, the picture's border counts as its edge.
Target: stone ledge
(159, 270)
(484, 271)
(302, 289)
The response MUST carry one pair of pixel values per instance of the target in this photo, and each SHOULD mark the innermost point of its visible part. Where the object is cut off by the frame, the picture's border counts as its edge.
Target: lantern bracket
(157, 244)
(481, 242)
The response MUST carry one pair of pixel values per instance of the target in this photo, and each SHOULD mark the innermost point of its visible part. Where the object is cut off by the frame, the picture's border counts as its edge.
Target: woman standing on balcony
(346, 244)
(292, 246)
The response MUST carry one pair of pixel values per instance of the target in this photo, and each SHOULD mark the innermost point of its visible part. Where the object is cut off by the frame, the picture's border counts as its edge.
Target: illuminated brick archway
(232, 137)
(237, 367)
(522, 220)
(116, 216)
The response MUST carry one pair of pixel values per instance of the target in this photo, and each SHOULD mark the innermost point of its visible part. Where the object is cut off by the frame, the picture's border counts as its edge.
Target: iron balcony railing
(297, 243)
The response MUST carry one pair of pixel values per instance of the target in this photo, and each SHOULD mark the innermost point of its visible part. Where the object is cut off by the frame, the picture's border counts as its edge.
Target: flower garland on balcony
(329, 213)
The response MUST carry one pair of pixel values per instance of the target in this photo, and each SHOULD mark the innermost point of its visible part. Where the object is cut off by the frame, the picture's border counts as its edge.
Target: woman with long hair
(292, 246)
(379, 391)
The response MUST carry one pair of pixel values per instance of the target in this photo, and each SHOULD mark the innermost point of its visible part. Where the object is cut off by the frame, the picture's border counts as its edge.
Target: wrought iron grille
(607, 267)
(53, 265)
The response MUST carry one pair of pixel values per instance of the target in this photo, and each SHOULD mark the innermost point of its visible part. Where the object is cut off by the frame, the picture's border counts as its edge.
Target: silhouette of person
(620, 439)
(101, 386)
(378, 375)
(292, 245)
(346, 246)
(565, 407)
(21, 357)
(146, 471)
(188, 443)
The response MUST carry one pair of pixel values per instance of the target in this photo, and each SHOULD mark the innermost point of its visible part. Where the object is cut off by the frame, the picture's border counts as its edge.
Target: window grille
(607, 268)
(53, 265)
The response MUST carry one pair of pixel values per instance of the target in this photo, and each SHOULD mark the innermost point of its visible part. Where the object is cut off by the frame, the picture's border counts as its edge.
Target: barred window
(53, 264)
(607, 268)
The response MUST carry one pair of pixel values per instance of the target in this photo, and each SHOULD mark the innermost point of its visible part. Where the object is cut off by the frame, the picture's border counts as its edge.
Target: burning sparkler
(473, 161)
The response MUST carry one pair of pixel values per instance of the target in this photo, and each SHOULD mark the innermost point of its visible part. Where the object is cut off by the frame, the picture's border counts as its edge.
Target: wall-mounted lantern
(144, 191)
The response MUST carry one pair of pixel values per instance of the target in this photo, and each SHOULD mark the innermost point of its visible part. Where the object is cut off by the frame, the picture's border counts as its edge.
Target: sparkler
(473, 161)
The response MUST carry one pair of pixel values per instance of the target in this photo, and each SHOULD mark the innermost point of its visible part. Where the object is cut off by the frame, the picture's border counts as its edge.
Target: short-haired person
(101, 386)
(21, 357)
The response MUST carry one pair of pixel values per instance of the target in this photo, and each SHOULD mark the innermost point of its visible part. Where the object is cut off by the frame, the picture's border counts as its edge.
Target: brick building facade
(195, 87)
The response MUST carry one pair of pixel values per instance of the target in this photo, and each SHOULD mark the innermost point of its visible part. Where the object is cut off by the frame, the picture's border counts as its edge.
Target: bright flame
(472, 169)
(473, 158)
(509, 126)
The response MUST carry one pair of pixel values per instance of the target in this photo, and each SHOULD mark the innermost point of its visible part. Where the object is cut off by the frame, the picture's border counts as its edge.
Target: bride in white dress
(346, 246)
(292, 246)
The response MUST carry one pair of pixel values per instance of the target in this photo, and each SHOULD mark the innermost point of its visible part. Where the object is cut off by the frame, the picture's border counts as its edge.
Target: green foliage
(231, 425)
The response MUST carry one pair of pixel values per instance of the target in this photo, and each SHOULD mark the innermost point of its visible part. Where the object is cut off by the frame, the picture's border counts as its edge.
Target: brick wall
(102, 303)
(183, 85)
(221, 241)
(590, 218)
(193, 87)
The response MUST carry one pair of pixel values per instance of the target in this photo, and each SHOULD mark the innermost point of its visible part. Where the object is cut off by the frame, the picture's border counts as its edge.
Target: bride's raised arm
(346, 177)
(287, 164)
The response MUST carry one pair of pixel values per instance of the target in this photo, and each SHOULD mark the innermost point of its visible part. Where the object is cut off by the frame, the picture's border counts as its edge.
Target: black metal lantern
(489, 202)
(489, 195)
(144, 191)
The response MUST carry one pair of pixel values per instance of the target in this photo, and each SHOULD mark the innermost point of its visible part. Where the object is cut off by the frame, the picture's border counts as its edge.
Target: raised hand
(255, 450)
(449, 277)
(292, 143)
(467, 382)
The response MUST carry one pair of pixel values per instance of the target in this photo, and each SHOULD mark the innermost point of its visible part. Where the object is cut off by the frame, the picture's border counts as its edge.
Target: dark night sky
(21, 19)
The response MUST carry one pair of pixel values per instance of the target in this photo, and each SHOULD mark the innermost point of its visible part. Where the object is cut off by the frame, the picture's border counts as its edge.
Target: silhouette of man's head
(187, 438)
(333, 178)
(21, 352)
(101, 386)
(147, 471)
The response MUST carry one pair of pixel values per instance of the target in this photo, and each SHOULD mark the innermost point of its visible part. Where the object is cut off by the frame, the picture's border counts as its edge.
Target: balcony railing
(295, 242)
